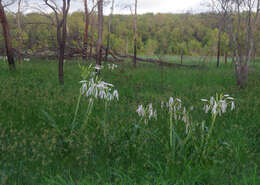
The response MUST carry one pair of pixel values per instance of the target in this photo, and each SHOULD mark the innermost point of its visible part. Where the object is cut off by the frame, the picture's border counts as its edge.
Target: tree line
(229, 30)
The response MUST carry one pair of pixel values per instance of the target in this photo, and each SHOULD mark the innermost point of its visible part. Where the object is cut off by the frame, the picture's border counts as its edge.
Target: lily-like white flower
(232, 105)
(98, 67)
(112, 66)
(140, 111)
(162, 104)
(96, 88)
(147, 113)
(115, 94)
(218, 105)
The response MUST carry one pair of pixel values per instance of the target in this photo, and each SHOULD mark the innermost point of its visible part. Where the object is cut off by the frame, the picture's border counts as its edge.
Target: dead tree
(88, 13)
(244, 47)
(135, 34)
(100, 33)
(61, 27)
(221, 8)
(19, 26)
(109, 29)
(7, 38)
(93, 19)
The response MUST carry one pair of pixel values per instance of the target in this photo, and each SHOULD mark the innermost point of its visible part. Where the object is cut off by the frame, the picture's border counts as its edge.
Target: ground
(40, 145)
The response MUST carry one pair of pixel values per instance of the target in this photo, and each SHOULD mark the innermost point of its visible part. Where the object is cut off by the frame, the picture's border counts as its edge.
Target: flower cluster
(147, 112)
(26, 59)
(99, 67)
(98, 89)
(218, 105)
(4, 58)
(178, 112)
(112, 66)
(176, 108)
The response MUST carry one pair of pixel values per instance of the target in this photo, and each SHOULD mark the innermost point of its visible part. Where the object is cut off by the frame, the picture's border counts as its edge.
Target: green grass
(32, 151)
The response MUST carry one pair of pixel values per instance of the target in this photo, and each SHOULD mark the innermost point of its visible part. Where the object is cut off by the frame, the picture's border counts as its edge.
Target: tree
(100, 33)
(135, 34)
(87, 22)
(247, 12)
(61, 26)
(221, 7)
(109, 29)
(7, 38)
(19, 26)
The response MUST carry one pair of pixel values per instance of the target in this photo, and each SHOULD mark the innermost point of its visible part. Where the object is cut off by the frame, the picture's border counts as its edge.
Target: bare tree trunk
(109, 29)
(135, 35)
(100, 32)
(8, 45)
(85, 53)
(19, 33)
(226, 57)
(182, 53)
(61, 23)
(219, 46)
(242, 66)
(231, 40)
(92, 34)
(62, 51)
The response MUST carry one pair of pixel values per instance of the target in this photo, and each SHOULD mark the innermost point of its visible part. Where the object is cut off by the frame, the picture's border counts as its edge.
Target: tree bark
(135, 35)
(219, 46)
(61, 23)
(100, 32)
(8, 44)
(91, 32)
(109, 30)
(182, 53)
(226, 57)
(19, 33)
(244, 54)
(85, 54)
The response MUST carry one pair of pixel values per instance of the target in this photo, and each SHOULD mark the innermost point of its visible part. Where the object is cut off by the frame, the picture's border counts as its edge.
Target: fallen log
(160, 62)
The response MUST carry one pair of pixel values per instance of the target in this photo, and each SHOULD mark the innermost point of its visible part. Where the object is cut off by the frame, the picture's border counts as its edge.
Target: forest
(158, 34)
(90, 96)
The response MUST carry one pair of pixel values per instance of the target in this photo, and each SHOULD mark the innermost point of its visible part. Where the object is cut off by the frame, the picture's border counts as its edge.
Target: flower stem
(77, 108)
(89, 110)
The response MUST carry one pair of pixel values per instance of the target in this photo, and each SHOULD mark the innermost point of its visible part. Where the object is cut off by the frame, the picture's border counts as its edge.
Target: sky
(144, 6)
(152, 6)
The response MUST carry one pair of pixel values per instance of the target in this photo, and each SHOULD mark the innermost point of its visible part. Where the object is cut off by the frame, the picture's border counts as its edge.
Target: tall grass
(38, 146)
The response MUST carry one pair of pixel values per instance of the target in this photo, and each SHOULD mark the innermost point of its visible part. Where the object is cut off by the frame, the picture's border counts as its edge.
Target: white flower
(146, 112)
(115, 94)
(95, 88)
(206, 108)
(162, 104)
(150, 111)
(140, 111)
(98, 67)
(171, 101)
(112, 66)
(218, 105)
(212, 100)
(214, 109)
(232, 105)
(223, 106)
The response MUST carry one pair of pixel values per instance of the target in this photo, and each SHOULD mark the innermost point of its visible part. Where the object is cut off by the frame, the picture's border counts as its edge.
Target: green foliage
(38, 145)
(164, 34)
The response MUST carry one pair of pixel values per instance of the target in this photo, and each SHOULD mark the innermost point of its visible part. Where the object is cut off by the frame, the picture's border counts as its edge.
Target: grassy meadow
(40, 145)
